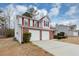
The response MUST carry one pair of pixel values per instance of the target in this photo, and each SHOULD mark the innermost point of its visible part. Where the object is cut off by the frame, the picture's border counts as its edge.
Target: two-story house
(39, 28)
(69, 30)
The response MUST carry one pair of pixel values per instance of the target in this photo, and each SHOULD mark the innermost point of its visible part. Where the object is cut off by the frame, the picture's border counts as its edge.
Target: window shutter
(33, 23)
(22, 21)
(28, 22)
(44, 23)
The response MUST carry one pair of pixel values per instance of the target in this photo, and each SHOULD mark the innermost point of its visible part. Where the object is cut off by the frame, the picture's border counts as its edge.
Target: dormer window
(36, 23)
(46, 23)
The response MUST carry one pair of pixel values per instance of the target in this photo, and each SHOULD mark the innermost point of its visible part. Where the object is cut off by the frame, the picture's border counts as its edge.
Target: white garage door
(45, 35)
(35, 35)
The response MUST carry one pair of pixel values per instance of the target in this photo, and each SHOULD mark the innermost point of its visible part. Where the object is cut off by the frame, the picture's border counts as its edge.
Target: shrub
(26, 37)
(9, 33)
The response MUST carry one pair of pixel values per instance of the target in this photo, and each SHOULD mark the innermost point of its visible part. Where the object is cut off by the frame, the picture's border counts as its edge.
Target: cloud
(44, 11)
(53, 24)
(55, 10)
(72, 11)
(58, 5)
(69, 22)
(21, 9)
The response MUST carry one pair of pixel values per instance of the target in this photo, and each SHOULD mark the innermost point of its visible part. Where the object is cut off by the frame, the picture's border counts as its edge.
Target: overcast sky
(64, 13)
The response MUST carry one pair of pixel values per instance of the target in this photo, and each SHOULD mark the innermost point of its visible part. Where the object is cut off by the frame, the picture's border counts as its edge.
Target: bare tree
(8, 14)
(2, 23)
(31, 12)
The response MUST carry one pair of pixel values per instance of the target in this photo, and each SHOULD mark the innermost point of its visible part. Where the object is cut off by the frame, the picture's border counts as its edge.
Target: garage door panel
(45, 35)
(35, 35)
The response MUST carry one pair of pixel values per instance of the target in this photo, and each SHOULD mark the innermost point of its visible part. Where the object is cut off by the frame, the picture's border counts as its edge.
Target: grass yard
(74, 40)
(8, 47)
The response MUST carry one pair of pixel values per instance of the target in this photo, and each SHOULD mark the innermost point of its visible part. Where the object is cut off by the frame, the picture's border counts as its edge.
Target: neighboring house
(68, 30)
(40, 29)
(76, 33)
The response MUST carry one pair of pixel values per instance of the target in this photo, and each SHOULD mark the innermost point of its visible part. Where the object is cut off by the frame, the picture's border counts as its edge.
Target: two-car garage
(39, 35)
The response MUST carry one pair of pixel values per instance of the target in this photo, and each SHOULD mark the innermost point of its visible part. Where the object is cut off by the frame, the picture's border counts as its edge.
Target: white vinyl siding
(31, 23)
(18, 31)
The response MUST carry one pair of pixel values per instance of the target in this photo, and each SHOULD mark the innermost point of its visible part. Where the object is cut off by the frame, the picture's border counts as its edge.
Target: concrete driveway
(58, 48)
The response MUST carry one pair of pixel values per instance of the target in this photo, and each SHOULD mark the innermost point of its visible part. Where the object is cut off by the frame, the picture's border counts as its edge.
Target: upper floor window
(25, 22)
(35, 23)
(46, 23)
